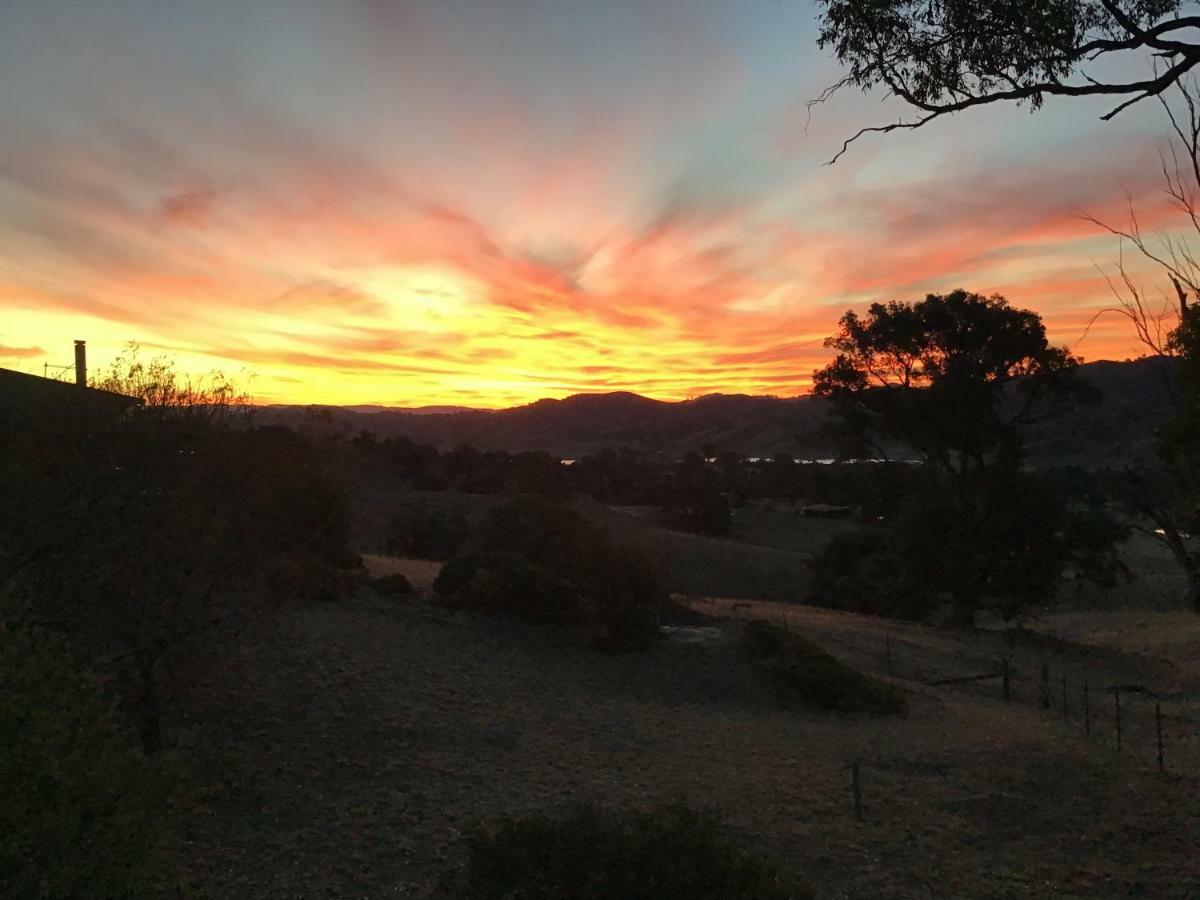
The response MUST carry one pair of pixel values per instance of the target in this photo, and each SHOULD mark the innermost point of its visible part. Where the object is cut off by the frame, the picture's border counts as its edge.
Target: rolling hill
(1117, 430)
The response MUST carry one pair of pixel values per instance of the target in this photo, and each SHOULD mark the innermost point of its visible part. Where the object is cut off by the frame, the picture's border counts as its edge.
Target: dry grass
(371, 735)
(1172, 636)
(419, 572)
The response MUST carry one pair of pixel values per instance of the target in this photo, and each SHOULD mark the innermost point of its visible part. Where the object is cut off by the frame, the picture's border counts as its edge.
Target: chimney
(81, 363)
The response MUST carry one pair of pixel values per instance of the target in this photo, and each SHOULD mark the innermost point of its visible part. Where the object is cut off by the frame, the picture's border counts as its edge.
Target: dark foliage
(395, 584)
(82, 808)
(568, 568)
(138, 533)
(1178, 506)
(808, 676)
(950, 377)
(953, 378)
(674, 853)
(1012, 555)
(861, 571)
(695, 502)
(497, 582)
(948, 56)
(427, 533)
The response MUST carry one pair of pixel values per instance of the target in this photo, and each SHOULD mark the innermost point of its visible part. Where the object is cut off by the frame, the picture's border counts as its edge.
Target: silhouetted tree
(1023, 534)
(696, 502)
(167, 392)
(133, 532)
(946, 56)
(951, 378)
(1169, 327)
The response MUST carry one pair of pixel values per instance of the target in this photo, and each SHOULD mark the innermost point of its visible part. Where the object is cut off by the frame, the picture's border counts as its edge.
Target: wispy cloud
(412, 202)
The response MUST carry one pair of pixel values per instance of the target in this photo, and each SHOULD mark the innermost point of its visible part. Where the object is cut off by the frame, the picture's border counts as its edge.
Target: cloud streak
(450, 208)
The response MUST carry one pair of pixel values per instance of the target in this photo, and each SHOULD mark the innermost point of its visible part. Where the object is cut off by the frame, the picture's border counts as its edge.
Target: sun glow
(420, 221)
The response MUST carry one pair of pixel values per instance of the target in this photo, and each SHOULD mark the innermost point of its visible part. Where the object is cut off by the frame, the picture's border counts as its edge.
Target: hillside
(1117, 430)
(369, 737)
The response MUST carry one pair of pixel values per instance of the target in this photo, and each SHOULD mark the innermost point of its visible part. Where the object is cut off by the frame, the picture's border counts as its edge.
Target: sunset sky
(486, 203)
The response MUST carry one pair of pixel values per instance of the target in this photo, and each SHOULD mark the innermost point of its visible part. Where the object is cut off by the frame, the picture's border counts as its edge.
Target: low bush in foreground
(675, 853)
(81, 808)
(806, 674)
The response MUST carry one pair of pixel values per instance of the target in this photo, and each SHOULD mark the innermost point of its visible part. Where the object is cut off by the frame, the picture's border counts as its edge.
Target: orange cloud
(509, 270)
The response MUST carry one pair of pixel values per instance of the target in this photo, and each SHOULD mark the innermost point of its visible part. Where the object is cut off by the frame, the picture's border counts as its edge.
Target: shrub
(701, 511)
(806, 674)
(305, 578)
(395, 584)
(862, 572)
(674, 853)
(1005, 553)
(82, 809)
(506, 583)
(544, 561)
(141, 534)
(424, 533)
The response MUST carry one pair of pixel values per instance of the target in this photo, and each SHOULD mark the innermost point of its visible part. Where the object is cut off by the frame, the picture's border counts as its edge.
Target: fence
(1069, 691)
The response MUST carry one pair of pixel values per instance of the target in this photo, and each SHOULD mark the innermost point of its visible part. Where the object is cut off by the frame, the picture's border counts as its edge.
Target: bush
(424, 533)
(700, 511)
(506, 583)
(544, 561)
(1005, 554)
(305, 578)
(82, 809)
(141, 534)
(671, 854)
(806, 674)
(396, 584)
(861, 571)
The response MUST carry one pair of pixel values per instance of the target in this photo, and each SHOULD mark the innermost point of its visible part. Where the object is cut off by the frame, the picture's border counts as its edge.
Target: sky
(375, 201)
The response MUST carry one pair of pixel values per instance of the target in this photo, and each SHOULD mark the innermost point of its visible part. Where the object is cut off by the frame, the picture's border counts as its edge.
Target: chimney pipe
(81, 363)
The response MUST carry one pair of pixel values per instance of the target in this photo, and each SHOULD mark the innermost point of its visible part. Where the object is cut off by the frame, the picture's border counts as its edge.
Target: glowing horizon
(459, 204)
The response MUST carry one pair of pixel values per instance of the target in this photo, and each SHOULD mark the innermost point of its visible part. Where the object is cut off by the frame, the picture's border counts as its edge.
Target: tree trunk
(1177, 544)
(149, 723)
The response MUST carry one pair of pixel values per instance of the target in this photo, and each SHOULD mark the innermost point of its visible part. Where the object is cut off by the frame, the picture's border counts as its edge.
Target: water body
(799, 460)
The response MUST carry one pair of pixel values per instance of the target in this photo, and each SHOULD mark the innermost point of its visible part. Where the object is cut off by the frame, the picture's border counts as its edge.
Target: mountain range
(1117, 430)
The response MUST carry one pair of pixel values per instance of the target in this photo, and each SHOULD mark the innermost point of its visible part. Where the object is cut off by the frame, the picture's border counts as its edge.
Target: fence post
(1117, 698)
(1158, 728)
(1007, 690)
(1045, 686)
(1087, 711)
(858, 813)
(888, 649)
(1064, 692)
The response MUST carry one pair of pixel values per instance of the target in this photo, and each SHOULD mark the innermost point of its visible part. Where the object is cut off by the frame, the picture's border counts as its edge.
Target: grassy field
(363, 738)
(738, 566)
(368, 735)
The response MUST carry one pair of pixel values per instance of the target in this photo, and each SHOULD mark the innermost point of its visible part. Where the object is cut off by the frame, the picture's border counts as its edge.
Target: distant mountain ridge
(1117, 431)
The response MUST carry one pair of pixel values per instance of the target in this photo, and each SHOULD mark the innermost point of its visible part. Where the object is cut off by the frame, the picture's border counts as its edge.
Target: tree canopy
(953, 378)
(950, 376)
(945, 56)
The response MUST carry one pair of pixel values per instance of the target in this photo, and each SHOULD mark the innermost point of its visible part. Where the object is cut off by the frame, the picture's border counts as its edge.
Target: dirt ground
(364, 737)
